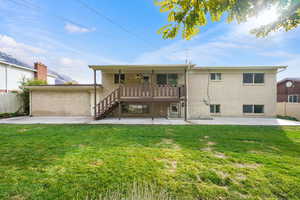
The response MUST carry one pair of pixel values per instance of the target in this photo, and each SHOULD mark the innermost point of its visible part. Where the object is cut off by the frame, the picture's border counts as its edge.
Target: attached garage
(62, 100)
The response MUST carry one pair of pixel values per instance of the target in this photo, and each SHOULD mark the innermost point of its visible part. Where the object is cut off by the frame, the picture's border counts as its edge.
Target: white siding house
(11, 76)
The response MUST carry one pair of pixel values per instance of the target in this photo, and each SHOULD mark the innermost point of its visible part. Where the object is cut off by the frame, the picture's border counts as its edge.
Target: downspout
(6, 81)
(277, 72)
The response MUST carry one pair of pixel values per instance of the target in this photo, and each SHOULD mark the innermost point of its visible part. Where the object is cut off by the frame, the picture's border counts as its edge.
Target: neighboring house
(12, 71)
(288, 90)
(171, 91)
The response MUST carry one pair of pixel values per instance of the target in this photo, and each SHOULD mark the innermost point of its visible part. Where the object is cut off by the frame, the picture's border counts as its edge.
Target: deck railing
(152, 91)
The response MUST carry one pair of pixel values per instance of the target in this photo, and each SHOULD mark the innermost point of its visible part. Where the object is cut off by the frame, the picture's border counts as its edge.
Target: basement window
(215, 76)
(253, 109)
(135, 108)
(215, 108)
(253, 78)
(293, 99)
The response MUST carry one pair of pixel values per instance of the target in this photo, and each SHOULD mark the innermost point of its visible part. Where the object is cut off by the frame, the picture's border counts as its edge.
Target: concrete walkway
(162, 121)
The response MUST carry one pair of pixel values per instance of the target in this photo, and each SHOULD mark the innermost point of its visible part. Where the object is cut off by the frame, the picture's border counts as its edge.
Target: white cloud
(72, 28)
(25, 52)
(69, 62)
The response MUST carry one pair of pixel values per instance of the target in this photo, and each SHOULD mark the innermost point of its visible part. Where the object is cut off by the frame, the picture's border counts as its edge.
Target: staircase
(140, 93)
(108, 104)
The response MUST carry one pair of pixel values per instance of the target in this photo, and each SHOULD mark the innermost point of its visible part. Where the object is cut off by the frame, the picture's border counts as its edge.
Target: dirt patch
(250, 141)
(246, 165)
(211, 143)
(17, 197)
(171, 165)
(241, 177)
(206, 137)
(220, 155)
(169, 142)
(23, 130)
(96, 163)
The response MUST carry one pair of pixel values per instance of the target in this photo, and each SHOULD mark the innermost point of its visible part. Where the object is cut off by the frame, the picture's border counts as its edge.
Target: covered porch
(138, 88)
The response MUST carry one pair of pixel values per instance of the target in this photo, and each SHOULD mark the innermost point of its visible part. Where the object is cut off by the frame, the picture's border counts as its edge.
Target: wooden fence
(289, 109)
(10, 102)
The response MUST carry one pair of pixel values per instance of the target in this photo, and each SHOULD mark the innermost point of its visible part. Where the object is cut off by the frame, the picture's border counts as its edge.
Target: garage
(61, 100)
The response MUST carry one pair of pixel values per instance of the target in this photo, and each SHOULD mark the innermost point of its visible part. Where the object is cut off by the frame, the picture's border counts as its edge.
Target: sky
(67, 36)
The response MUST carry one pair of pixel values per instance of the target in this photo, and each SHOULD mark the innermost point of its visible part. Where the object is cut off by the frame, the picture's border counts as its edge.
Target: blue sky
(68, 37)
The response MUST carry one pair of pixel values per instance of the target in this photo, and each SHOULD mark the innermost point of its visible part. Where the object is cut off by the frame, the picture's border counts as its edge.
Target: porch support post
(152, 93)
(119, 100)
(95, 94)
(185, 95)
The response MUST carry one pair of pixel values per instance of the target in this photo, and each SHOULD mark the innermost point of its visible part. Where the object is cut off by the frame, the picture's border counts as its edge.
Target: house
(12, 71)
(172, 91)
(288, 90)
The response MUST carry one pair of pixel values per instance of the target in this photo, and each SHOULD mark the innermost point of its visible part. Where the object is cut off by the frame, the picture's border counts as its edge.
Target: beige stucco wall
(60, 103)
(289, 109)
(230, 93)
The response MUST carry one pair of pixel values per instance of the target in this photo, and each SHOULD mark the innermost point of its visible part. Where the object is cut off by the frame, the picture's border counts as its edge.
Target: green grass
(188, 162)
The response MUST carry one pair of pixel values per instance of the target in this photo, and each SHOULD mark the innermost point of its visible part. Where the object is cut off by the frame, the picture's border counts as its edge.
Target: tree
(24, 94)
(188, 16)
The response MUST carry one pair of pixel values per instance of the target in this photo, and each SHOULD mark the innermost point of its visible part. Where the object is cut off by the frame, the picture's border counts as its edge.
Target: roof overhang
(74, 87)
(156, 67)
(238, 67)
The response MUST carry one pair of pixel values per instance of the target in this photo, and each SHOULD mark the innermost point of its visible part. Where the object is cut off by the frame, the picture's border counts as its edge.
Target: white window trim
(253, 83)
(216, 80)
(298, 98)
(215, 113)
(252, 113)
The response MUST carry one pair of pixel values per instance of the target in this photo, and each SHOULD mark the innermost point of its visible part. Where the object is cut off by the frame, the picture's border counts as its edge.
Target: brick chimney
(41, 71)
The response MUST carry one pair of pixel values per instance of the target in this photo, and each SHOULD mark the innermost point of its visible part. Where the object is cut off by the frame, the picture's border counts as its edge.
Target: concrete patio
(149, 121)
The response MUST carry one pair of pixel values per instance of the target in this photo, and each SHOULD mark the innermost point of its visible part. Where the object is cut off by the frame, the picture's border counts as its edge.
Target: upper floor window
(253, 78)
(293, 99)
(215, 76)
(167, 79)
(253, 109)
(215, 108)
(116, 78)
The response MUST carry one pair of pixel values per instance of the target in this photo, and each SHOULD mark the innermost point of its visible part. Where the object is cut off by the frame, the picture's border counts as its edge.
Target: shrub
(24, 94)
(287, 118)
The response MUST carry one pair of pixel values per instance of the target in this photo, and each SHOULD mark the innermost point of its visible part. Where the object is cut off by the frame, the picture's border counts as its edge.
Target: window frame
(294, 95)
(254, 78)
(116, 78)
(145, 109)
(167, 75)
(213, 109)
(253, 109)
(215, 76)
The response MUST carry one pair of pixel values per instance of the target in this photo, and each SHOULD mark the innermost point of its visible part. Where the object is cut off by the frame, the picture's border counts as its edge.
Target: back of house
(169, 91)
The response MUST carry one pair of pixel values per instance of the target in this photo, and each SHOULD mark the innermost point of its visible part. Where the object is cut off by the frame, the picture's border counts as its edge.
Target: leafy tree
(24, 94)
(188, 16)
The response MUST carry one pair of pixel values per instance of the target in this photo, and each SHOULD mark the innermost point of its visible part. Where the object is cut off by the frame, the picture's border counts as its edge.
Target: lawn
(186, 162)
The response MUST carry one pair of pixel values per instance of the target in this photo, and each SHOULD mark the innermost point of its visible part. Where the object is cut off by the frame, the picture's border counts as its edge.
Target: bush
(8, 115)
(287, 118)
(25, 92)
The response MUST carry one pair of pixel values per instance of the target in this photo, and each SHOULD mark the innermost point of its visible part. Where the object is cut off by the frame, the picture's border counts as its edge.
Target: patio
(147, 121)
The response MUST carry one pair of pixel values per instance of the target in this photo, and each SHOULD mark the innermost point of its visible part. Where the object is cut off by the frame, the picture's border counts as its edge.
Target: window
(293, 99)
(257, 109)
(253, 78)
(215, 108)
(166, 79)
(122, 78)
(215, 76)
(135, 108)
